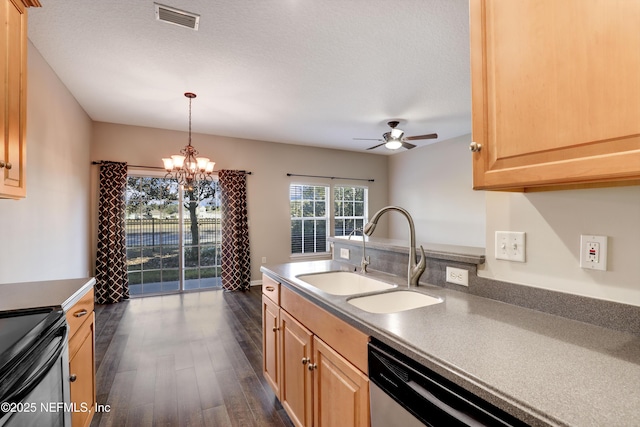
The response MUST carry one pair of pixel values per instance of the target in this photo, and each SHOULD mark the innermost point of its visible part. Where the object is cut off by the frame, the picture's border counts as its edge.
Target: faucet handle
(423, 258)
(422, 264)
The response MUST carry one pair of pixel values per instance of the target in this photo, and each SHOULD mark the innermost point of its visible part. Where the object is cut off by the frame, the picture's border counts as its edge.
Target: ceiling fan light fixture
(396, 133)
(393, 144)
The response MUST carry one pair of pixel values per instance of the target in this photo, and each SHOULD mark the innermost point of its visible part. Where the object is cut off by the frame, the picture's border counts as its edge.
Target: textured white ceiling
(309, 72)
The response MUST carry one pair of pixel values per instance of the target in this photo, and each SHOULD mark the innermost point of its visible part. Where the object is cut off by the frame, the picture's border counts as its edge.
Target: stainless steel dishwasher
(407, 394)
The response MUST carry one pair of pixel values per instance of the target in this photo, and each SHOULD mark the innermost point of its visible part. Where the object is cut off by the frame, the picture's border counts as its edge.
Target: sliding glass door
(173, 236)
(201, 238)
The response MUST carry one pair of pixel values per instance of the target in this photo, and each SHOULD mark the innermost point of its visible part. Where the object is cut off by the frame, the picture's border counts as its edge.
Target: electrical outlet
(264, 259)
(593, 252)
(458, 276)
(510, 245)
(344, 253)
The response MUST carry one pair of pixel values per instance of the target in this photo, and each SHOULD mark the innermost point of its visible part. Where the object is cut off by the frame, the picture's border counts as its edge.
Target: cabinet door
(296, 388)
(13, 66)
(555, 92)
(82, 374)
(341, 392)
(271, 344)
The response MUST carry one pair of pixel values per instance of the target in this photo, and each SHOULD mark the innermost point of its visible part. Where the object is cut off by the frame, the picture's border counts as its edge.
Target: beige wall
(268, 186)
(46, 235)
(554, 222)
(434, 184)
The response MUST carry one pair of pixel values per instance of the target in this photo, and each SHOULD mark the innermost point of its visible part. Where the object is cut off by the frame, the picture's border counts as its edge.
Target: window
(309, 218)
(349, 209)
(173, 236)
(311, 211)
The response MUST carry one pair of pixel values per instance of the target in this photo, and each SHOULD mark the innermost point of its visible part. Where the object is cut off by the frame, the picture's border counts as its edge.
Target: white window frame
(326, 218)
(335, 217)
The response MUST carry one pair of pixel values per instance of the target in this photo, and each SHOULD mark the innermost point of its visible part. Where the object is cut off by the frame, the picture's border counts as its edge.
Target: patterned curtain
(112, 282)
(235, 259)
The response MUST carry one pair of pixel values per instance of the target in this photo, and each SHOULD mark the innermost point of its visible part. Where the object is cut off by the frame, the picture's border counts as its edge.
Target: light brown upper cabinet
(13, 97)
(555, 92)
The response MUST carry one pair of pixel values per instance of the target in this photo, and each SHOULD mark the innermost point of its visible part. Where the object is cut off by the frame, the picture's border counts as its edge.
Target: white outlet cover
(458, 276)
(344, 253)
(597, 259)
(511, 245)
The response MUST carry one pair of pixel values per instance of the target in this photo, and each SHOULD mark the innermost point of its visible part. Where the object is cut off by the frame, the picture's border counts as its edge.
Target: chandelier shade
(187, 168)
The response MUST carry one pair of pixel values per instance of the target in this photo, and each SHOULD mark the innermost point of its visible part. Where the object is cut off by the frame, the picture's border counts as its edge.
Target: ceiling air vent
(175, 16)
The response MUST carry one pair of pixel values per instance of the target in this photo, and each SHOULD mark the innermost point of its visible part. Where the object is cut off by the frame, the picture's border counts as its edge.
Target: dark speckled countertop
(543, 369)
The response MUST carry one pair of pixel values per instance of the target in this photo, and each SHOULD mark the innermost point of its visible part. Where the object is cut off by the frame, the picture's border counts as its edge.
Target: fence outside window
(157, 239)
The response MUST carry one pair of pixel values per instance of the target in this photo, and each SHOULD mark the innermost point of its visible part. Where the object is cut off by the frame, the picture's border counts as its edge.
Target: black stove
(33, 352)
(19, 330)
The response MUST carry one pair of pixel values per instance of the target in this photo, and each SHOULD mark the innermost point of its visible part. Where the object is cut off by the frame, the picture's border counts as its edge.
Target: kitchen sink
(344, 283)
(393, 302)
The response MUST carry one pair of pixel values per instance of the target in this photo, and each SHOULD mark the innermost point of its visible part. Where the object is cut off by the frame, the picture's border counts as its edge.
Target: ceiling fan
(395, 138)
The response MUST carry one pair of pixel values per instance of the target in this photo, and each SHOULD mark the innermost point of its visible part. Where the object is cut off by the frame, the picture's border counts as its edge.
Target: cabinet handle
(475, 147)
(275, 329)
(5, 165)
(270, 288)
(305, 360)
(73, 378)
(80, 313)
(312, 366)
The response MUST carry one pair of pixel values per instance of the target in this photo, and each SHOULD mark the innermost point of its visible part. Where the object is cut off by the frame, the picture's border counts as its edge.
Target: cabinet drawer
(271, 288)
(80, 312)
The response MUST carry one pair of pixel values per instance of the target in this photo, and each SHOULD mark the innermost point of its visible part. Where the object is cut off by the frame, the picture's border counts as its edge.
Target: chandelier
(187, 168)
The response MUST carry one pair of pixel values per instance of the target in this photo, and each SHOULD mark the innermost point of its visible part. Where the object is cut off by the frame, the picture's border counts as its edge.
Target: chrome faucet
(365, 259)
(414, 270)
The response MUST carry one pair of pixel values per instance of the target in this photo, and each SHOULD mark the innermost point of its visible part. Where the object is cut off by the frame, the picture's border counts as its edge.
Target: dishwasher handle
(395, 379)
(448, 409)
(433, 399)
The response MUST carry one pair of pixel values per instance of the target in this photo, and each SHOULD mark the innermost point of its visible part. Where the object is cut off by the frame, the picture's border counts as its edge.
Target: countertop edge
(77, 295)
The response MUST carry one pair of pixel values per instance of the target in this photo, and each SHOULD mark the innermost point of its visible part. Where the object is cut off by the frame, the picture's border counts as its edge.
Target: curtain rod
(331, 177)
(100, 162)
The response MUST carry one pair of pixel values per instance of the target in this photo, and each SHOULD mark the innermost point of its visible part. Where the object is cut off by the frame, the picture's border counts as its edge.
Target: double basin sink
(346, 283)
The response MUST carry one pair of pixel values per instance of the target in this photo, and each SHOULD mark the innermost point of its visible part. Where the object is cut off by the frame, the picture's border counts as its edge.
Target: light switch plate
(593, 252)
(510, 245)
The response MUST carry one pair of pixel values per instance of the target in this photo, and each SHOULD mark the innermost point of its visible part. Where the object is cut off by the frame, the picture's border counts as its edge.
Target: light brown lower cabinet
(304, 362)
(341, 391)
(296, 354)
(82, 379)
(271, 343)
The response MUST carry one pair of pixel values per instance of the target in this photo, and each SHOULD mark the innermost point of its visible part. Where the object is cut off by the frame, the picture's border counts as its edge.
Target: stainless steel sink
(393, 302)
(344, 283)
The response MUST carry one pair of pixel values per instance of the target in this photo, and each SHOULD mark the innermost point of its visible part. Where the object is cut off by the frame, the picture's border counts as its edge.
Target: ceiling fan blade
(376, 146)
(367, 139)
(407, 145)
(429, 136)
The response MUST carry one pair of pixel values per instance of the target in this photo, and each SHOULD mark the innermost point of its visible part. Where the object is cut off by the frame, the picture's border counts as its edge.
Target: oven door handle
(23, 391)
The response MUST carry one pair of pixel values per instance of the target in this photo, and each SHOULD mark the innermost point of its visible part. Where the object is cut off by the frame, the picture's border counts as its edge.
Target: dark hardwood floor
(192, 359)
